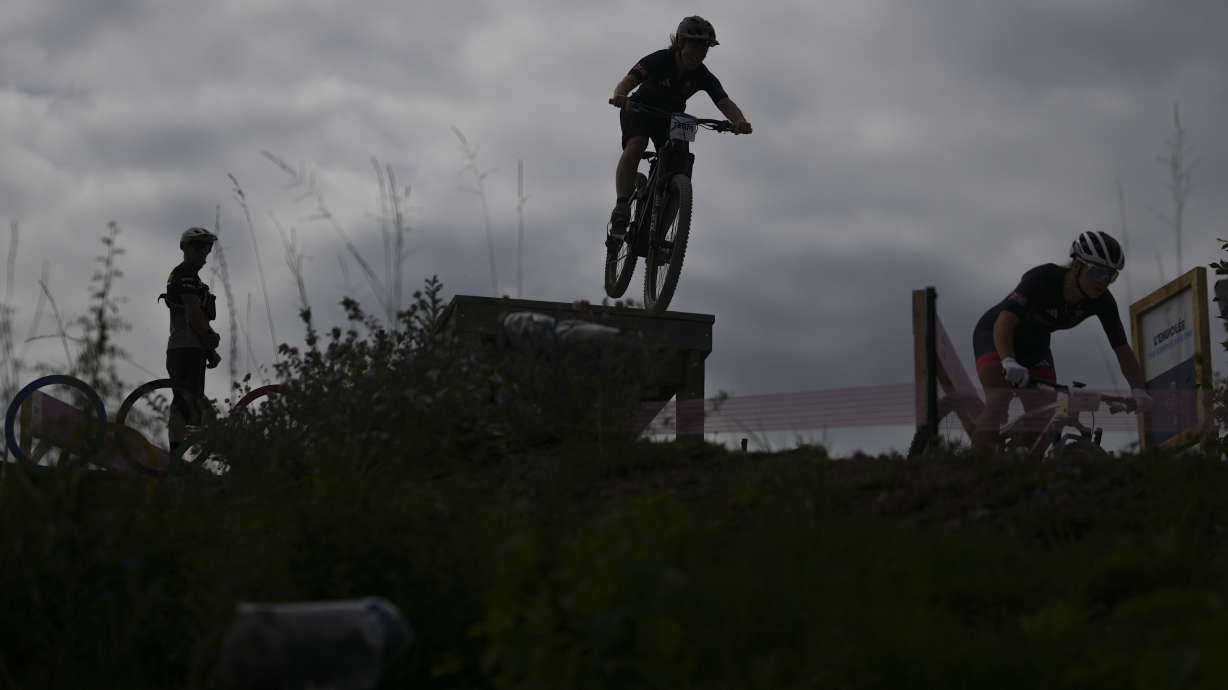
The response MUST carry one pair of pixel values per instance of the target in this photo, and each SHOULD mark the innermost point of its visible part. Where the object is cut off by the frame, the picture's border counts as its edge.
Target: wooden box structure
(681, 341)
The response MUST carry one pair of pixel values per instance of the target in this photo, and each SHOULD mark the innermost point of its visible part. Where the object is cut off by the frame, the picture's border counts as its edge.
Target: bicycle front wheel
(668, 247)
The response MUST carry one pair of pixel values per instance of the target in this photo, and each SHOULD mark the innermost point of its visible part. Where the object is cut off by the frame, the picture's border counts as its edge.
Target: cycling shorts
(655, 127)
(1039, 361)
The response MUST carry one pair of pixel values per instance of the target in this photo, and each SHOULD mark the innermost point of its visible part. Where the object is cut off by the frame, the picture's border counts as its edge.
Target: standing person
(1011, 340)
(666, 79)
(192, 346)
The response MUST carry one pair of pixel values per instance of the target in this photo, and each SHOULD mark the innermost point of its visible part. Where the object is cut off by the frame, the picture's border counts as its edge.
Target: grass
(640, 565)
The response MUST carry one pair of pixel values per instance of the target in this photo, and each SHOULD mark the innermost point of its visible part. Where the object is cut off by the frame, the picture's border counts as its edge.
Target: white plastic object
(682, 127)
(343, 645)
(1084, 401)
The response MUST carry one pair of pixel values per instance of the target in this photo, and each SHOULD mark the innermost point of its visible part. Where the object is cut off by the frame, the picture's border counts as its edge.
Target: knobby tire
(675, 221)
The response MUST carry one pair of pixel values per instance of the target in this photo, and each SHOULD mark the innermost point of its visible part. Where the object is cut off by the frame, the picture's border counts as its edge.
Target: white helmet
(1099, 249)
(196, 235)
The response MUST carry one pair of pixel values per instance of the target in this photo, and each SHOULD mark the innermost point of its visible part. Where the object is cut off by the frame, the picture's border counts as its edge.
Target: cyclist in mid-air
(666, 79)
(1011, 341)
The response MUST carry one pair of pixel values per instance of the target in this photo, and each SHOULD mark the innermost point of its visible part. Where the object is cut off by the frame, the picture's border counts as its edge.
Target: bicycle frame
(1058, 420)
(1060, 415)
(673, 158)
(678, 160)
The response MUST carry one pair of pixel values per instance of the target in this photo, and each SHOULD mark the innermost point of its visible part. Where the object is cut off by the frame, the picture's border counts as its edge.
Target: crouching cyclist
(192, 346)
(1011, 340)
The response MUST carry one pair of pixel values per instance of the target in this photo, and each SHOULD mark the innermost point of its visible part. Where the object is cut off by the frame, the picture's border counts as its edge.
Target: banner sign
(1172, 341)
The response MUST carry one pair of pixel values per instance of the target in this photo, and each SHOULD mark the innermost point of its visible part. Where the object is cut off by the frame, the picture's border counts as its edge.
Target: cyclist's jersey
(184, 280)
(663, 84)
(1042, 309)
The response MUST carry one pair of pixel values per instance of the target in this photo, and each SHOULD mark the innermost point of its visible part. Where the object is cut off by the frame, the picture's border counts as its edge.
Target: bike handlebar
(1115, 403)
(715, 125)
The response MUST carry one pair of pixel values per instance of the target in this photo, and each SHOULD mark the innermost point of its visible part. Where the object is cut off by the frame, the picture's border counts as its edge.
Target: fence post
(931, 362)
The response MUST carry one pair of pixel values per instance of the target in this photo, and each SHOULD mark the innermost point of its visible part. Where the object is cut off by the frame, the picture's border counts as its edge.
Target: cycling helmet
(696, 27)
(1099, 249)
(196, 235)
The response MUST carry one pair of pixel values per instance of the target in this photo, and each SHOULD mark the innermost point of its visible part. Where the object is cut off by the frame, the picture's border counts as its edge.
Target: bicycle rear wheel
(668, 247)
(620, 257)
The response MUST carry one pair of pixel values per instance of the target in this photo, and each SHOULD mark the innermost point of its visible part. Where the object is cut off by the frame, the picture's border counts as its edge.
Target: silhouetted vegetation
(529, 549)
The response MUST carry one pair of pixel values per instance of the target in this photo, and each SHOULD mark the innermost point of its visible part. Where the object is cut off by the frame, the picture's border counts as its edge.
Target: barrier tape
(880, 405)
(862, 406)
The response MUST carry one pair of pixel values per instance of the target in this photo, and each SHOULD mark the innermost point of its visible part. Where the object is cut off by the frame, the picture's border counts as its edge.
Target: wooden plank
(1202, 361)
(690, 396)
(957, 386)
(1195, 280)
(473, 316)
(955, 381)
(1136, 341)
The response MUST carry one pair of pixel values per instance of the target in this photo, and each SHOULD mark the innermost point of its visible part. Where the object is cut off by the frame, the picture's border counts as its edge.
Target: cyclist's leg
(624, 183)
(628, 164)
(1040, 368)
(184, 366)
(998, 394)
(635, 134)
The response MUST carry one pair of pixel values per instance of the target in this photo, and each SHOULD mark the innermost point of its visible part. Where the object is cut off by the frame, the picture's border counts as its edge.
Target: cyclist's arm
(1004, 333)
(1129, 366)
(731, 110)
(1116, 333)
(625, 86)
(196, 315)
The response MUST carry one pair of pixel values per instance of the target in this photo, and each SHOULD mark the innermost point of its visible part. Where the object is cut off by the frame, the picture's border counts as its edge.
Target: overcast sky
(897, 145)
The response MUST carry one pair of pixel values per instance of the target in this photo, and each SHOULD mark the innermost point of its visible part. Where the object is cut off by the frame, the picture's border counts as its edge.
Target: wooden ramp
(681, 340)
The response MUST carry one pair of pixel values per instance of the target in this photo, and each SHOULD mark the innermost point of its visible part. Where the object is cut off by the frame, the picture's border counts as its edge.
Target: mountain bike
(660, 213)
(1053, 442)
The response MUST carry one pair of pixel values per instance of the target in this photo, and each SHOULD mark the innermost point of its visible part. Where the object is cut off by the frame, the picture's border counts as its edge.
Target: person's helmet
(696, 27)
(196, 235)
(1099, 249)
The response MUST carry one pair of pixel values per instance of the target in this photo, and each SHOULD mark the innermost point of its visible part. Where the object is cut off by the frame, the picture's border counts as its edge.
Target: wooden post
(690, 418)
(931, 361)
(936, 366)
(920, 373)
(925, 361)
